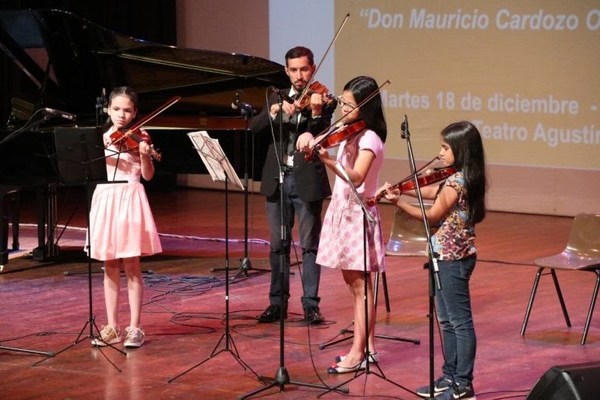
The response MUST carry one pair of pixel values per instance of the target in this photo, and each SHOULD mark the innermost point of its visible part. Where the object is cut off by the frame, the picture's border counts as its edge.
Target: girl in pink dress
(122, 227)
(343, 237)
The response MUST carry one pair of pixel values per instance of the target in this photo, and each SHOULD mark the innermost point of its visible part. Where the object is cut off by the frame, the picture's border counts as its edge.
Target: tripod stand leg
(246, 266)
(80, 338)
(75, 343)
(212, 354)
(366, 372)
(334, 341)
(281, 379)
(42, 353)
(386, 295)
(229, 347)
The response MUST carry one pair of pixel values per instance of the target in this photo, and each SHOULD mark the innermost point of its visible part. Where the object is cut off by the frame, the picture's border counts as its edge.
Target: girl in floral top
(459, 204)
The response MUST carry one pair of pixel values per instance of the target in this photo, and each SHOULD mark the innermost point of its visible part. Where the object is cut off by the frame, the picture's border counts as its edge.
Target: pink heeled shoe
(373, 357)
(336, 369)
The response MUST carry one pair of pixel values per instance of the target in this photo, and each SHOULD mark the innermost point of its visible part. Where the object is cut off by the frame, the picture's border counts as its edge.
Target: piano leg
(47, 207)
(9, 196)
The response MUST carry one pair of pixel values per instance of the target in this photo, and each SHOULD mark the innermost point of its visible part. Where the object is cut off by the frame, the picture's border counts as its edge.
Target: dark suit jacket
(311, 177)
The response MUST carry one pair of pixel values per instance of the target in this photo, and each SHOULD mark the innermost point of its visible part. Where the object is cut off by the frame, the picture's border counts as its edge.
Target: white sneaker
(108, 335)
(135, 337)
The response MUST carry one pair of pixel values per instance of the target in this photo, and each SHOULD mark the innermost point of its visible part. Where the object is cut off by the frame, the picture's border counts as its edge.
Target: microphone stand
(282, 376)
(246, 111)
(431, 265)
(245, 265)
(367, 219)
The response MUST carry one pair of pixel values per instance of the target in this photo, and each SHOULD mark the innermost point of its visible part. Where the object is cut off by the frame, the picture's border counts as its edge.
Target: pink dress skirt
(121, 222)
(342, 239)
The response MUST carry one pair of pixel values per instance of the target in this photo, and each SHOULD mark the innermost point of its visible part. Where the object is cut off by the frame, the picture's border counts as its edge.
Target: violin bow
(154, 113)
(312, 78)
(148, 117)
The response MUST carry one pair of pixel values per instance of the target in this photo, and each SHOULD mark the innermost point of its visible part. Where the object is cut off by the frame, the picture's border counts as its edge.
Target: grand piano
(72, 63)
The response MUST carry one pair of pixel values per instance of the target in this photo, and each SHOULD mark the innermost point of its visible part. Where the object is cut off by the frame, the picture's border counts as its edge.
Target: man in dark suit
(304, 183)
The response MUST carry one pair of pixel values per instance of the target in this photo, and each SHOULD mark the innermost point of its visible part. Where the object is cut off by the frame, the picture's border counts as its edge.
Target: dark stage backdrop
(130, 17)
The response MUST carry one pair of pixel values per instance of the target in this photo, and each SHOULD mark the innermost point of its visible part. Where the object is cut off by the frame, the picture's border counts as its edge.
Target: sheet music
(215, 160)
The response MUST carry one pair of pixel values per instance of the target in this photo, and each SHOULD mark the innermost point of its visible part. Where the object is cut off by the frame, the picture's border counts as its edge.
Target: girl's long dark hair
(465, 141)
(372, 111)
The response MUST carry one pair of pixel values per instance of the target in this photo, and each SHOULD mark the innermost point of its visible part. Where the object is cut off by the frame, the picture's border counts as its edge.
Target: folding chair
(582, 253)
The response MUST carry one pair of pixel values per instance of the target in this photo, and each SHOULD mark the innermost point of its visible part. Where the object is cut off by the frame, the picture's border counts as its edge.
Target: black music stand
(220, 169)
(81, 162)
(367, 219)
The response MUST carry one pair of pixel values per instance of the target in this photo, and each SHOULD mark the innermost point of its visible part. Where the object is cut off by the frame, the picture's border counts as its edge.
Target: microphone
(240, 105)
(236, 100)
(58, 113)
(284, 95)
(404, 127)
(104, 101)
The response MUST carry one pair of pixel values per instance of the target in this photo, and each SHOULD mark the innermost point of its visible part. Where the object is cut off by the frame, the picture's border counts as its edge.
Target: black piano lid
(80, 58)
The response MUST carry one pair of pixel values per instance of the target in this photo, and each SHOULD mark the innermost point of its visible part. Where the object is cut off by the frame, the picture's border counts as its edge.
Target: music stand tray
(215, 160)
(80, 155)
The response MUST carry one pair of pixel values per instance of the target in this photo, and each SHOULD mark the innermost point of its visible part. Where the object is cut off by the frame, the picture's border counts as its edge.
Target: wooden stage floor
(45, 307)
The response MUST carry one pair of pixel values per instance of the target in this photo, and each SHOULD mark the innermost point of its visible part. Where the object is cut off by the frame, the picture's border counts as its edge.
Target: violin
(428, 178)
(132, 137)
(314, 88)
(337, 136)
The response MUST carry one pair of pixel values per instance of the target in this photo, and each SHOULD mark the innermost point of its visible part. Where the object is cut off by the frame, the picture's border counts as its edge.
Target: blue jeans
(453, 305)
(309, 228)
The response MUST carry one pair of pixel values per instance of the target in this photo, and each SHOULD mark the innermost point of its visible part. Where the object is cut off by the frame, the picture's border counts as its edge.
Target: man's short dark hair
(298, 52)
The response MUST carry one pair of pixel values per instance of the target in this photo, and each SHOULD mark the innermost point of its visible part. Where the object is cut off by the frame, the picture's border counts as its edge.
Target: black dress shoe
(312, 315)
(271, 314)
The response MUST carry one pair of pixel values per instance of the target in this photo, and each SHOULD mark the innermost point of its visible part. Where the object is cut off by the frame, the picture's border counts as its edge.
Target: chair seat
(569, 260)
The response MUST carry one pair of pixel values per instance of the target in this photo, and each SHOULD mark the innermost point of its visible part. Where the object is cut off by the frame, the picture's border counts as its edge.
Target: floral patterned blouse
(453, 236)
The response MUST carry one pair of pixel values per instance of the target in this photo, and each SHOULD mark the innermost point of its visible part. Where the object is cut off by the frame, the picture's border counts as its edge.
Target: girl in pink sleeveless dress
(345, 235)
(122, 227)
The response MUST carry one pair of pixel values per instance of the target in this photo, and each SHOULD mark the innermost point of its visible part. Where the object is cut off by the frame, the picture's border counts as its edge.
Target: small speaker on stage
(568, 382)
